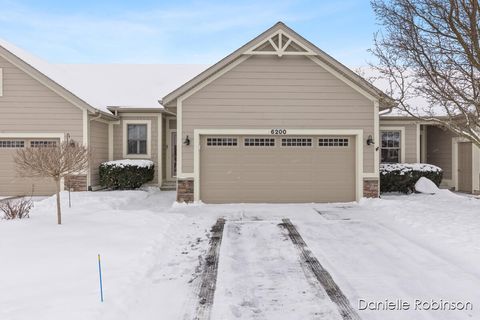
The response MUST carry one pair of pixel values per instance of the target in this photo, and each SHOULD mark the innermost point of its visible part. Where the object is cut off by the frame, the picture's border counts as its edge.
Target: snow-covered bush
(16, 209)
(401, 177)
(126, 174)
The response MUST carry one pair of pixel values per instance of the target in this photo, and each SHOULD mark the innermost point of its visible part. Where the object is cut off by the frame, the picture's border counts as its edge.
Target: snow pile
(129, 162)
(425, 185)
(408, 167)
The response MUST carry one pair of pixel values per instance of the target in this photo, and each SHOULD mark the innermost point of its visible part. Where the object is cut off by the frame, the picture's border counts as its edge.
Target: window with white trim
(259, 142)
(42, 143)
(333, 142)
(391, 146)
(12, 144)
(222, 142)
(137, 138)
(296, 142)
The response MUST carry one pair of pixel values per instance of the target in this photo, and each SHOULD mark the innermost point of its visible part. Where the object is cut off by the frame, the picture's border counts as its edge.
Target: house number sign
(278, 131)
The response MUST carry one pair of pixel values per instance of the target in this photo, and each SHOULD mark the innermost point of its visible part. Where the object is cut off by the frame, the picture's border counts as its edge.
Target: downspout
(386, 111)
(97, 117)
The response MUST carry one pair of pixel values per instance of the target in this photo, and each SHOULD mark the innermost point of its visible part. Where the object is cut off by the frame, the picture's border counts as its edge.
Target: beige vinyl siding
(172, 123)
(291, 92)
(439, 149)
(411, 133)
(29, 106)
(98, 149)
(118, 139)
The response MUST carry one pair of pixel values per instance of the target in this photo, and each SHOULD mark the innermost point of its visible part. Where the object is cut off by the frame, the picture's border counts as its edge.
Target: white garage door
(277, 169)
(11, 183)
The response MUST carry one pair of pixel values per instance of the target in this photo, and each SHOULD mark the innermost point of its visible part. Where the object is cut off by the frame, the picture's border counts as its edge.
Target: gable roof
(127, 85)
(307, 48)
(97, 87)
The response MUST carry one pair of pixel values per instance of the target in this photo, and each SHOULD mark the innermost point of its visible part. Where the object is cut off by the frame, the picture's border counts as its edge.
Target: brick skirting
(76, 182)
(185, 190)
(371, 188)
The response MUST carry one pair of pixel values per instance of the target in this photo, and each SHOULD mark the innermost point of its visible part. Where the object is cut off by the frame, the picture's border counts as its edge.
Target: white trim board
(159, 149)
(148, 155)
(402, 139)
(358, 133)
(376, 137)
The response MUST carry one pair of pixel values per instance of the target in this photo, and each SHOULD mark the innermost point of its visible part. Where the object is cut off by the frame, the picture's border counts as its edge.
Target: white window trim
(149, 139)
(358, 133)
(402, 140)
(1, 82)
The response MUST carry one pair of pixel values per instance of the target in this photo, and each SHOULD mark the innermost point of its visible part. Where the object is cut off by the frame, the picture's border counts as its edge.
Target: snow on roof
(118, 85)
(127, 85)
(419, 104)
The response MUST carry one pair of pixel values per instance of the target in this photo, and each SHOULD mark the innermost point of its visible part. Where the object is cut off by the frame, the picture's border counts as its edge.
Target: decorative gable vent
(280, 44)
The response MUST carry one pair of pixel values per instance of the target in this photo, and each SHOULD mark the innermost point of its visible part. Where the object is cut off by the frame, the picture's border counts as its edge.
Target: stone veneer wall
(185, 190)
(371, 188)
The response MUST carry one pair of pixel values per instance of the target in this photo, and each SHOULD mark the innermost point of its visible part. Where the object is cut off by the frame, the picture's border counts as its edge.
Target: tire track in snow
(323, 276)
(259, 277)
(209, 274)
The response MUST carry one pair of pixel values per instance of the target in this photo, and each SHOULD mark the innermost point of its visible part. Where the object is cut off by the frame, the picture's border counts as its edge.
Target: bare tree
(56, 162)
(431, 49)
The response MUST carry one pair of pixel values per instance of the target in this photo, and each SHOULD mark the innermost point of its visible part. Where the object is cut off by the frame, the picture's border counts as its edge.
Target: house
(278, 120)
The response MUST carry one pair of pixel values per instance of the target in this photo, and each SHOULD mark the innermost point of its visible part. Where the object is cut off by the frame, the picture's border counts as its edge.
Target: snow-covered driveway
(397, 248)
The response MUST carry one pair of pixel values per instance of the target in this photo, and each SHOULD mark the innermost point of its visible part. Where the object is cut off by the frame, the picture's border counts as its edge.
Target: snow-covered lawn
(399, 247)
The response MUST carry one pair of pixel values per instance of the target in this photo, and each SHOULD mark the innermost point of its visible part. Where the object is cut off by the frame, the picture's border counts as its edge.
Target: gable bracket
(284, 42)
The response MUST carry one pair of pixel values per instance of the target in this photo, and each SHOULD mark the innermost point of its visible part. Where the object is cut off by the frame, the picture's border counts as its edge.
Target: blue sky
(145, 31)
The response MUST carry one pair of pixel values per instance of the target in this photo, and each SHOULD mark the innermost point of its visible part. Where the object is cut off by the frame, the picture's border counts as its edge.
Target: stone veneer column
(185, 190)
(371, 188)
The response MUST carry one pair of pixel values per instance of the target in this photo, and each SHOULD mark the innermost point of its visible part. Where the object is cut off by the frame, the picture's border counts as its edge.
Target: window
(333, 142)
(391, 146)
(296, 142)
(40, 143)
(12, 144)
(259, 142)
(137, 139)
(222, 142)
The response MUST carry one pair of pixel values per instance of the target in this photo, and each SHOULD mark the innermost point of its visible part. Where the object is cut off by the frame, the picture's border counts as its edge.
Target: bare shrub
(16, 209)
(56, 162)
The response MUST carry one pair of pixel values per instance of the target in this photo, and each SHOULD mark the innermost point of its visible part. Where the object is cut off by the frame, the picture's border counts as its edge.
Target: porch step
(169, 186)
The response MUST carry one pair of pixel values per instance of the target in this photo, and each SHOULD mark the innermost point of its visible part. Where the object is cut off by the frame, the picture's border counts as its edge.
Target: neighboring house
(278, 120)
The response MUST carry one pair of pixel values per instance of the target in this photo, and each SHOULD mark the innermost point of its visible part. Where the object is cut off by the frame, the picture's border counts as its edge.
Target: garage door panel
(11, 183)
(277, 174)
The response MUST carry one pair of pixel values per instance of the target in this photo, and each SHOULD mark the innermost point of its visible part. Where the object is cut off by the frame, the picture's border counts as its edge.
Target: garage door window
(296, 142)
(12, 144)
(222, 142)
(390, 146)
(333, 142)
(40, 143)
(259, 142)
